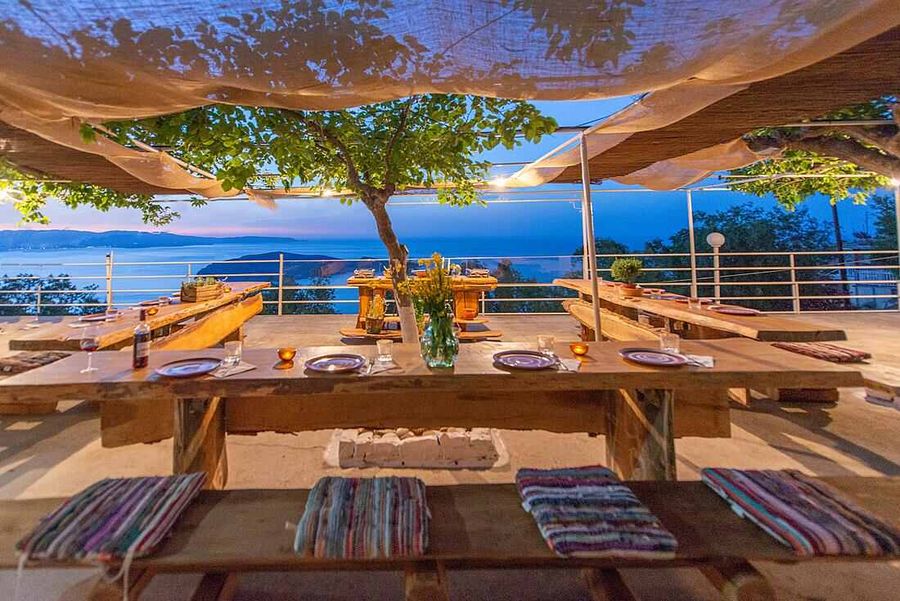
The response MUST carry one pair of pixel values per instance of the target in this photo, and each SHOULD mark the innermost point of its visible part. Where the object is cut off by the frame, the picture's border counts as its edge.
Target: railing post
(897, 229)
(37, 301)
(280, 281)
(795, 287)
(718, 292)
(109, 280)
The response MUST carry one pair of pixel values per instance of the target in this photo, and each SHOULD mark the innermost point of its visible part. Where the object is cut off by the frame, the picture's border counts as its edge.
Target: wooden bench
(612, 325)
(225, 533)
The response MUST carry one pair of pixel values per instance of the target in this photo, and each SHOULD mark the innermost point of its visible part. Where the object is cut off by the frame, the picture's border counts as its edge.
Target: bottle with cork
(141, 349)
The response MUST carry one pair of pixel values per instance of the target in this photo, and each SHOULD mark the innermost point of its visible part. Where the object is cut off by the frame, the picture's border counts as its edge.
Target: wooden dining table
(640, 409)
(66, 335)
(706, 323)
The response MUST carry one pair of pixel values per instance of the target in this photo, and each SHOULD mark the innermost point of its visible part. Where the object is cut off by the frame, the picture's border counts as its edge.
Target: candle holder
(579, 349)
(287, 353)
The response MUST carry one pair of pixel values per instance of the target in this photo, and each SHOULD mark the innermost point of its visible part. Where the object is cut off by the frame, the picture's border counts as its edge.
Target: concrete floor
(61, 454)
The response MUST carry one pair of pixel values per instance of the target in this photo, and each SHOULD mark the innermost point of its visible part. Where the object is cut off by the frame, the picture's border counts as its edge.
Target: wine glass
(90, 342)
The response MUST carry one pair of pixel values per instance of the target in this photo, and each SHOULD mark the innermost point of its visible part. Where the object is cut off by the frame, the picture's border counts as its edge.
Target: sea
(142, 273)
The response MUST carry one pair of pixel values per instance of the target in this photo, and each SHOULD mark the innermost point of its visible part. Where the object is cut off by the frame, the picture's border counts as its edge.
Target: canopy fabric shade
(97, 60)
(659, 144)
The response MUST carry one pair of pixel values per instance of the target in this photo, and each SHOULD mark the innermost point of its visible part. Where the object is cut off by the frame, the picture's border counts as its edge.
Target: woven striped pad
(113, 519)
(825, 351)
(364, 518)
(588, 512)
(803, 513)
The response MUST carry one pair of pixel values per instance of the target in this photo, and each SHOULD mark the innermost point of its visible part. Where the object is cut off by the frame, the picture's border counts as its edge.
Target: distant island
(296, 267)
(11, 240)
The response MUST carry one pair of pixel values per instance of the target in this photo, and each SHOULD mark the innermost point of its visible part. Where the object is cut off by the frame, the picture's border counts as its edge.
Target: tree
(58, 294)
(506, 273)
(317, 301)
(751, 228)
(365, 154)
(885, 225)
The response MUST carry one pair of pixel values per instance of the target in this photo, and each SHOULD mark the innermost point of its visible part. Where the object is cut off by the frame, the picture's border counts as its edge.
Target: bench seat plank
(473, 526)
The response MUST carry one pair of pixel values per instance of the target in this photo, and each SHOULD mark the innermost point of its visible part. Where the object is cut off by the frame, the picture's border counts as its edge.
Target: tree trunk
(839, 244)
(398, 255)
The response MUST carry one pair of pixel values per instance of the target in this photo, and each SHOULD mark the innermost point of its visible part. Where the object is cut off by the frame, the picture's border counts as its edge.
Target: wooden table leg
(426, 584)
(199, 440)
(640, 442)
(216, 586)
(739, 582)
(606, 585)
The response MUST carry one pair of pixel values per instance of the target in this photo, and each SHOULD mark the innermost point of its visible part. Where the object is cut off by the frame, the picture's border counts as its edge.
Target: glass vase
(439, 342)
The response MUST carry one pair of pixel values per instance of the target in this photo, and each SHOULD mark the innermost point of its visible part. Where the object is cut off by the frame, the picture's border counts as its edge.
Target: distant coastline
(23, 240)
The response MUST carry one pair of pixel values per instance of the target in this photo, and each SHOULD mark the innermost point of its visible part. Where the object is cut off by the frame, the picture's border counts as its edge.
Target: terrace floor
(60, 454)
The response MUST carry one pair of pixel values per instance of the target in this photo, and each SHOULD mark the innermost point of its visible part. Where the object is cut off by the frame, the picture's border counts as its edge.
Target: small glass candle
(287, 353)
(579, 349)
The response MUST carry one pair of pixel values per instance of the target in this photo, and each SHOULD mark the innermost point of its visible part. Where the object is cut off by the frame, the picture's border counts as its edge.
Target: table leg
(640, 443)
(199, 440)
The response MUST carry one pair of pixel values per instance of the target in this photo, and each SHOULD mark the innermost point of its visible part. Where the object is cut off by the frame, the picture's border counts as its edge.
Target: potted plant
(627, 270)
(375, 315)
(201, 289)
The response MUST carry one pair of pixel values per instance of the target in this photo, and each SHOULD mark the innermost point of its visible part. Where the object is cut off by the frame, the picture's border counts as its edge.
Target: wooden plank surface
(60, 336)
(473, 526)
(760, 327)
(740, 363)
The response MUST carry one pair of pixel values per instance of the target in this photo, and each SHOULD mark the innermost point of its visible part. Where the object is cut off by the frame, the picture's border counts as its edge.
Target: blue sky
(631, 218)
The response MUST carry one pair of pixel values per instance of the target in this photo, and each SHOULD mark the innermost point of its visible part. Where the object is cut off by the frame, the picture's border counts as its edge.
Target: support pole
(716, 278)
(693, 245)
(897, 222)
(588, 211)
(280, 282)
(585, 261)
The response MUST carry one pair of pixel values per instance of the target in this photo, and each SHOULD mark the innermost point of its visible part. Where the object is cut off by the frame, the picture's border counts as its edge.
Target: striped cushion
(588, 512)
(364, 518)
(824, 351)
(113, 519)
(803, 513)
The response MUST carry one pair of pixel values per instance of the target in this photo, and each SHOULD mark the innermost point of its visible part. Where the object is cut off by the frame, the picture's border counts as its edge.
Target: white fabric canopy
(117, 59)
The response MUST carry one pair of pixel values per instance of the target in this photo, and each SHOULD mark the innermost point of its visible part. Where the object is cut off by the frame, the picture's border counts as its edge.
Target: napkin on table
(702, 360)
(229, 370)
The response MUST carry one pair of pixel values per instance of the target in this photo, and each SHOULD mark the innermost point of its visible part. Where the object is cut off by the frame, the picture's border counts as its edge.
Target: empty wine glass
(90, 342)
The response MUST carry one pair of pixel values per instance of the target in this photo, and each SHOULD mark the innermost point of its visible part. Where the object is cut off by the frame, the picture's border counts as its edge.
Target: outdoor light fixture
(895, 182)
(498, 182)
(716, 240)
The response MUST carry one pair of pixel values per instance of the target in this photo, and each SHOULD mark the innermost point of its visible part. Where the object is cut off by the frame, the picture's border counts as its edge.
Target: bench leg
(216, 586)
(199, 440)
(739, 582)
(640, 443)
(606, 585)
(102, 590)
(426, 584)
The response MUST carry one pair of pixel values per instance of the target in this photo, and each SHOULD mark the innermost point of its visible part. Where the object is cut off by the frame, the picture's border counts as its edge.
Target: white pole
(716, 272)
(591, 245)
(693, 246)
(585, 263)
(897, 222)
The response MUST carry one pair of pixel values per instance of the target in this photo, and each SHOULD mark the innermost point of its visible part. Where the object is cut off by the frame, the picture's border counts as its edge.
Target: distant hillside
(60, 239)
(312, 266)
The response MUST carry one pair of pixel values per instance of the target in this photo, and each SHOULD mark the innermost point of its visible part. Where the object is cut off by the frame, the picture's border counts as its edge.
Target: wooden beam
(200, 440)
(216, 586)
(426, 584)
(639, 440)
(606, 585)
(739, 582)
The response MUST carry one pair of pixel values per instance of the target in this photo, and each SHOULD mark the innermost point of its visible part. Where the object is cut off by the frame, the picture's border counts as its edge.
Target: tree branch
(389, 150)
(328, 137)
(846, 149)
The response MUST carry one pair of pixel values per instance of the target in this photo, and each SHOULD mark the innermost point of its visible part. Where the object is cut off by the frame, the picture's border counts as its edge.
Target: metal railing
(777, 281)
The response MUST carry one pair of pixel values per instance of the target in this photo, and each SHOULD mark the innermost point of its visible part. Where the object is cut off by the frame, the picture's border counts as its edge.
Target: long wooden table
(704, 322)
(62, 337)
(639, 409)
